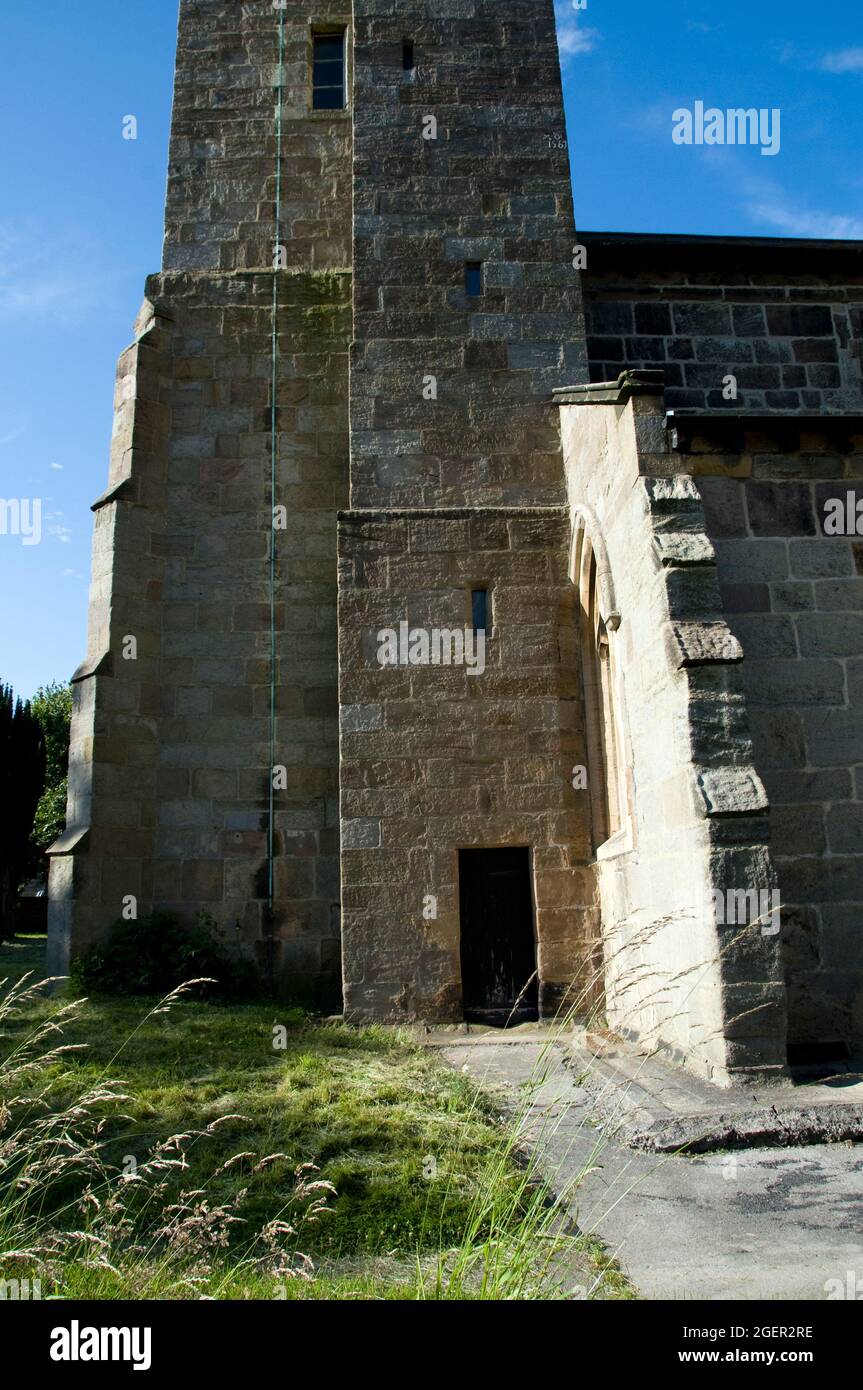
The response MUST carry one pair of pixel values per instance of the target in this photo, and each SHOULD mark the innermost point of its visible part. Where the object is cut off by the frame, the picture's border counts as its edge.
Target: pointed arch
(599, 620)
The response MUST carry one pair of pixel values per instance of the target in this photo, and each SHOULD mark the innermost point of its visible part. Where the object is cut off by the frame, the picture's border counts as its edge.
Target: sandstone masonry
(370, 393)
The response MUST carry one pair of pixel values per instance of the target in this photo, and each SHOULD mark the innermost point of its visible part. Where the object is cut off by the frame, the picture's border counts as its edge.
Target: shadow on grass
(374, 1112)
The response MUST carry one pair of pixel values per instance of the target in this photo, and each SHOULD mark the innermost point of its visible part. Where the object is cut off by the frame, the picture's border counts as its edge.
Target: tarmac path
(760, 1223)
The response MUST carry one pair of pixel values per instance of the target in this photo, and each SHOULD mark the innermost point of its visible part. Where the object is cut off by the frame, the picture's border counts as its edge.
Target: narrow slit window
(479, 609)
(328, 72)
(408, 61)
(473, 279)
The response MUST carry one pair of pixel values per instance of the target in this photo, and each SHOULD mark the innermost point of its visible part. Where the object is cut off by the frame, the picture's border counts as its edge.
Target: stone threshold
(646, 1104)
(641, 1101)
(638, 1100)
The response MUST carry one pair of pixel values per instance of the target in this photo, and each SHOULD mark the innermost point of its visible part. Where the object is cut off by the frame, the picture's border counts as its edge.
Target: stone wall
(457, 480)
(794, 598)
(200, 609)
(705, 985)
(214, 734)
(106, 853)
(220, 206)
(434, 759)
(492, 186)
(176, 745)
(784, 318)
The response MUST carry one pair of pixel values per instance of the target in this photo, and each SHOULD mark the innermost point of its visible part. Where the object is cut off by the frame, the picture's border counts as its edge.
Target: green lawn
(418, 1157)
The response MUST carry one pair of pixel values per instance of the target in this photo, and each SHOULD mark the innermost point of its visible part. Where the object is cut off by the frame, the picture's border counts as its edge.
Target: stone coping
(92, 666)
(74, 837)
(119, 489)
(641, 382)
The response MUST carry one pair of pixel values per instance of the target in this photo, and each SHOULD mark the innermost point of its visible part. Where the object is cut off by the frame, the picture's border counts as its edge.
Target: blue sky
(81, 213)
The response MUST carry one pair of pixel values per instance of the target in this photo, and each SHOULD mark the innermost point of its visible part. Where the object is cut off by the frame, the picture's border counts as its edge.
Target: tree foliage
(52, 705)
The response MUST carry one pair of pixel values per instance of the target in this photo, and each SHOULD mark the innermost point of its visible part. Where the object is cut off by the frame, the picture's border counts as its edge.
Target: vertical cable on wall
(274, 449)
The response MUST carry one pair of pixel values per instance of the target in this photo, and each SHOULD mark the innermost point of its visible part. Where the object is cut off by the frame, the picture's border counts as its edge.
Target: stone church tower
(408, 666)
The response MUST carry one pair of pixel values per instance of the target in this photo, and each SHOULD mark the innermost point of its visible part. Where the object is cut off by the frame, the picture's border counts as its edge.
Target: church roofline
(680, 250)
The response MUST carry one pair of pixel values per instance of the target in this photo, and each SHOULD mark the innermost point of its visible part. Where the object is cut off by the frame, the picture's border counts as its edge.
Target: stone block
(799, 320)
(649, 319)
(766, 635)
(723, 506)
(793, 683)
(845, 828)
(796, 786)
(795, 596)
(780, 509)
(700, 320)
(797, 830)
(830, 634)
(361, 833)
(695, 644)
(746, 598)
(752, 561)
(202, 881)
(684, 548)
(730, 791)
(838, 595)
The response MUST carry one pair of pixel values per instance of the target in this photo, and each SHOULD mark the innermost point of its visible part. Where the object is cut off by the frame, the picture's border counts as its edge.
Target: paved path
(756, 1224)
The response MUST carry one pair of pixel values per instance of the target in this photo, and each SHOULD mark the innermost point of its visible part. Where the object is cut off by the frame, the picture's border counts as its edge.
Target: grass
(432, 1197)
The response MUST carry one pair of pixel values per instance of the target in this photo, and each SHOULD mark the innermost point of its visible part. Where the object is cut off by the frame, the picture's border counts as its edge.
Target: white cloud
(573, 39)
(843, 60)
(767, 203)
(10, 437)
(807, 222)
(58, 467)
(61, 533)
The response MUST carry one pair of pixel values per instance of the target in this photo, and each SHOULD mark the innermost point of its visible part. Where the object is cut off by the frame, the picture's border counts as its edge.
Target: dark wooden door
(498, 951)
